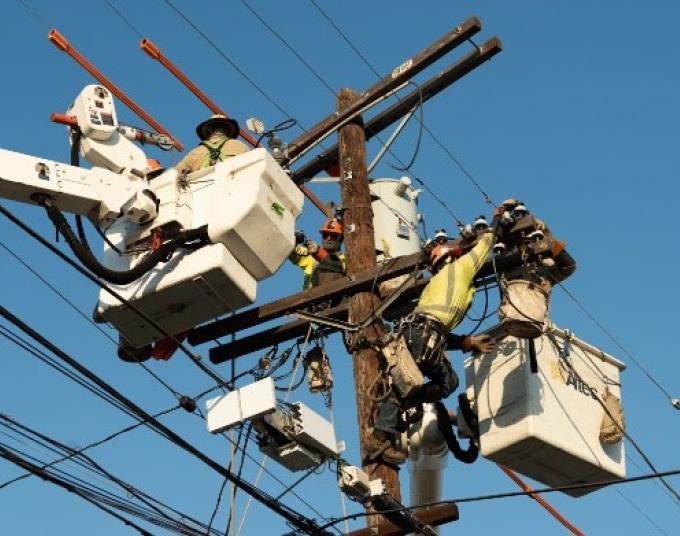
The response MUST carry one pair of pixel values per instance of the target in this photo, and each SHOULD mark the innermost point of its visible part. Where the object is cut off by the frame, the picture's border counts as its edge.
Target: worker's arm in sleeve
(473, 260)
(234, 148)
(189, 163)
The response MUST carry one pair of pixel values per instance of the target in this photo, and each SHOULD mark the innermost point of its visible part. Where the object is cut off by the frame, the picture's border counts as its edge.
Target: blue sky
(578, 117)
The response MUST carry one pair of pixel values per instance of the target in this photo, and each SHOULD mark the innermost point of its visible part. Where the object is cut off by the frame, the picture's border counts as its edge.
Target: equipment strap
(215, 152)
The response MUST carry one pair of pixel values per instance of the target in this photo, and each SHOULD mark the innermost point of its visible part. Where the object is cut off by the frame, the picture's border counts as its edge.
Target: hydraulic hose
(85, 255)
(468, 455)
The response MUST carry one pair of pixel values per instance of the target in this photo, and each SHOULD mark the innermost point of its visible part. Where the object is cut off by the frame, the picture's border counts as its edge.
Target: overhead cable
(301, 522)
(25, 464)
(509, 494)
(196, 359)
(87, 318)
(86, 461)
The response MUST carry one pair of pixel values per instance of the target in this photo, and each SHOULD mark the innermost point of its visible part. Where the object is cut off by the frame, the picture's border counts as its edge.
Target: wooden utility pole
(360, 249)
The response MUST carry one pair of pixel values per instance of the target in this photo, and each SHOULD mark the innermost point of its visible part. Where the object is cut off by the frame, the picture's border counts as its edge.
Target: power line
(506, 495)
(228, 59)
(301, 522)
(87, 462)
(196, 359)
(25, 464)
(123, 18)
(83, 315)
(288, 46)
(614, 340)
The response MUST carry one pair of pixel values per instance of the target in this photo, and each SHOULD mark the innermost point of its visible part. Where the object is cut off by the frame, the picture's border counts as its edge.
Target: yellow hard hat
(231, 126)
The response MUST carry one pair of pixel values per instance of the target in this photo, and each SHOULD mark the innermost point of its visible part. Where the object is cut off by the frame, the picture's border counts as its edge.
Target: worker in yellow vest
(218, 142)
(441, 308)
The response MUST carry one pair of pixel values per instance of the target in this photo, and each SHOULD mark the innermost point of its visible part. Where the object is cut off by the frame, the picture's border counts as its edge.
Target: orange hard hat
(332, 226)
(441, 252)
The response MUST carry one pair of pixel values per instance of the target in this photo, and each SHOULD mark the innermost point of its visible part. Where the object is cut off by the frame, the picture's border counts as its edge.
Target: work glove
(300, 237)
(312, 247)
(301, 251)
(482, 344)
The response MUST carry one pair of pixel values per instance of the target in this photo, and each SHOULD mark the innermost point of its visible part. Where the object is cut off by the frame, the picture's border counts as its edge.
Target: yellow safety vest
(449, 293)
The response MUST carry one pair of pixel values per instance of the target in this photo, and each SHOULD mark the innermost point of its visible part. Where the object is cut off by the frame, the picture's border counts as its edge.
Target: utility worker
(441, 307)
(217, 135)
(218, 142)
(325, 263)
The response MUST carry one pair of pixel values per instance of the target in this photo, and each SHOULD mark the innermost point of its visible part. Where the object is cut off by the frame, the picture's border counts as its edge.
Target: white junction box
(546, 425)
(253, 400)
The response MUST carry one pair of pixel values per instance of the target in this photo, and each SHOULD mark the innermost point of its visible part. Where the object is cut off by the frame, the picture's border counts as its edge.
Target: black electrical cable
(240, 470)
(195, 358)
(301, 522)
(39, 354)
(88, 447)
(116, 501)
(224, 482)
(506, 495)
(25, 464)
(419, 139)
(26, 431)
(85, 317)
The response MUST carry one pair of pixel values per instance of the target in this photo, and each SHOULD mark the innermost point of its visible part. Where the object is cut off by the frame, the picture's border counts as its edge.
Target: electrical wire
(97, 443)
(300, 521)
(615, 341)
(505, 495)
(288, 46)
(196, 359)
(83, 315)
(87, 462)
(226, 58)
(599, 400)
(23, 463)
(122, 17)
(224, 484)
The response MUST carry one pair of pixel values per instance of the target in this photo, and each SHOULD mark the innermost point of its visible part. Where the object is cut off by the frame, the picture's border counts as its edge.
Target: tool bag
(613, 423)
(524, 308)
(401, 366)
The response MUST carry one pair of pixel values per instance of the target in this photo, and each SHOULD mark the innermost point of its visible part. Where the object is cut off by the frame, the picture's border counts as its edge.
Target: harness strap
(215, 152)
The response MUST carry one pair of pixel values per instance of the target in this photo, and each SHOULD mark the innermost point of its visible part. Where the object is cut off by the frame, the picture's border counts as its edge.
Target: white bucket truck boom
(182, 249)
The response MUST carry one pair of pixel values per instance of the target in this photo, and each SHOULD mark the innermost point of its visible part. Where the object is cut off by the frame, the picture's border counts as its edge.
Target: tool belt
(401, 367)
(427, 338)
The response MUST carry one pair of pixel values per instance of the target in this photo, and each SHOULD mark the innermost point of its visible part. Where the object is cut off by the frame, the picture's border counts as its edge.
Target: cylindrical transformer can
(395, 217)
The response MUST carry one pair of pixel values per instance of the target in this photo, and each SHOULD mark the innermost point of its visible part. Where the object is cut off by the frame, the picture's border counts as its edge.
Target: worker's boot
(381, 446)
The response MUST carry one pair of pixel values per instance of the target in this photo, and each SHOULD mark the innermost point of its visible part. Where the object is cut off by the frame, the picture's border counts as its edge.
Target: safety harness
(215, 152)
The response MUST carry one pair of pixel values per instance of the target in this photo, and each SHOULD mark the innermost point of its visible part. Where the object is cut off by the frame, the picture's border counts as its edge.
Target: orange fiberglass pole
(155, 53)
(62, 44)
(540, 500)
